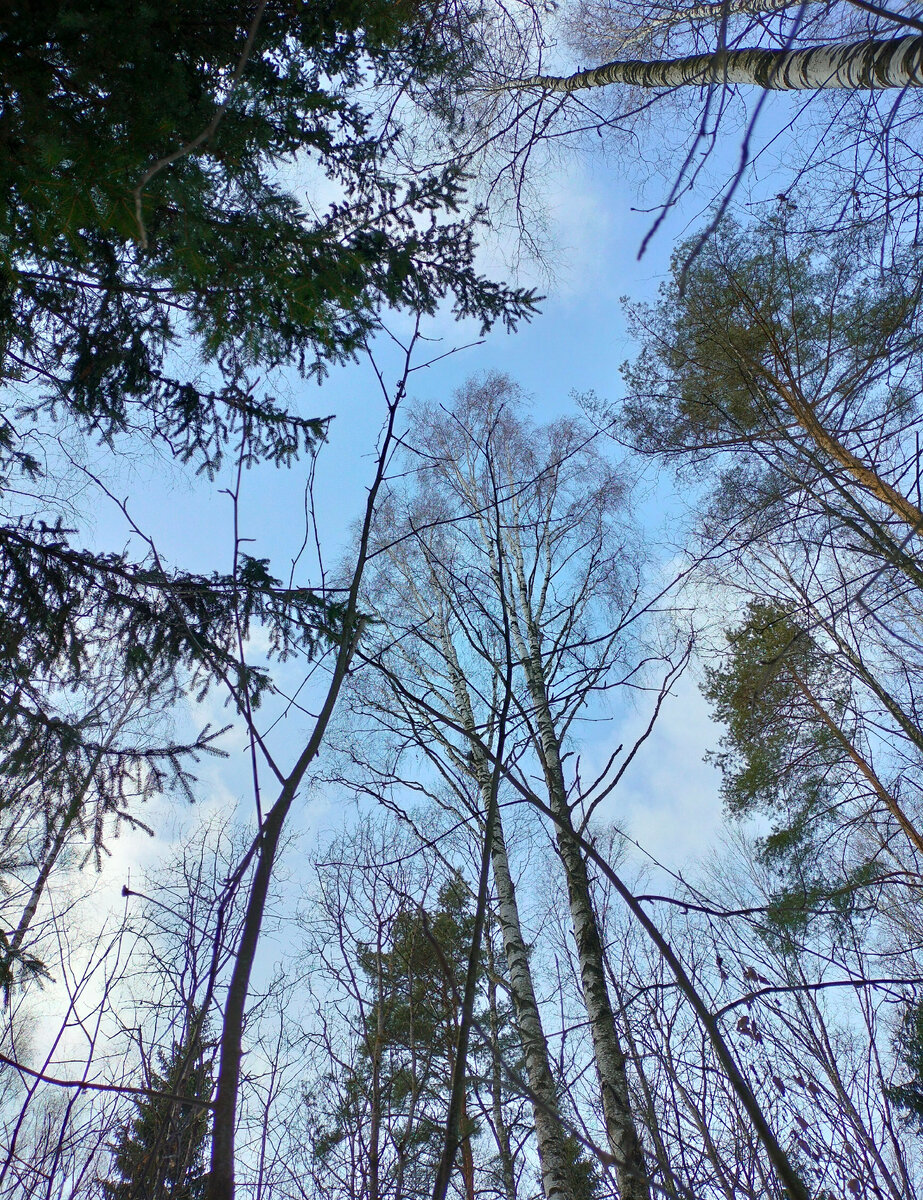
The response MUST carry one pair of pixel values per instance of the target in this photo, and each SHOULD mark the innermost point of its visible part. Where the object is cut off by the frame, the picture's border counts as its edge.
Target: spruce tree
(908, 1095)
(160, 1151)
(153, 263)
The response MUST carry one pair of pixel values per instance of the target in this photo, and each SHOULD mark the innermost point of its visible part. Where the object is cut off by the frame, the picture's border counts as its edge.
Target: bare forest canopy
(317, 870)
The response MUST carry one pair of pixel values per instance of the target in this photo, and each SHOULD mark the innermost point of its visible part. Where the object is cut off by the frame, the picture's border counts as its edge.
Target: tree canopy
(459, 915)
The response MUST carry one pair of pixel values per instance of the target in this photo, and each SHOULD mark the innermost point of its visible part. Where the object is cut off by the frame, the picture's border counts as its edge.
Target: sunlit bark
(860, 66)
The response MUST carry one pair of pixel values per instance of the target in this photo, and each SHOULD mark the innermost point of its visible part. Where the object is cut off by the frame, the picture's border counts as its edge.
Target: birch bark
(621, 1128)
(524, 532)
(501, 1130)
(869, 65)
(548, 1130)
(597, 26)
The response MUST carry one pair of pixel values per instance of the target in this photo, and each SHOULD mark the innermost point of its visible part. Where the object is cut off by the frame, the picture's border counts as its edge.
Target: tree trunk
(864, 475)
(888, 800)
(467, 1155)
(622, 1133)
(869, 65)
(621, 1130)
(613, 38)
(501, 1131)
(548, 1130)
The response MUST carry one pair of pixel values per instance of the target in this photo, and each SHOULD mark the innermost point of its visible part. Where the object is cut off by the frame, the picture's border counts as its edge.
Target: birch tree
(539, 532)
(653, 87)
(866, 65)
(415, 579)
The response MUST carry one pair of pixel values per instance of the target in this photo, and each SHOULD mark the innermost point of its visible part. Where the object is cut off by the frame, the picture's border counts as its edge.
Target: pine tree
(392, 1104)
(421, 998)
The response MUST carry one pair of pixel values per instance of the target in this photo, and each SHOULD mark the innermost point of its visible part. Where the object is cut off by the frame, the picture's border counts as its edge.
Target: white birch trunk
(868, 65)
(549, 1132)
(616, 40)
(621, 1130)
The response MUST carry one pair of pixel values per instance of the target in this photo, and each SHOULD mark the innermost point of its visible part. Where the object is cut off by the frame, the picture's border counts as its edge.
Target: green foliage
(406, 1052)
(778, 757)
(586, 1180)
(420, 1008)
(223, 253)
(908, 1044)
(16, 963)
(159, 1153)
(139, 297)
(756, 316)
(420, 998)
(811, 891)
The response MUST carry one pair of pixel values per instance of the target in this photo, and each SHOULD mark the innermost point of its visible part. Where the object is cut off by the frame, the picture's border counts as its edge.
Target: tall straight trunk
(501, 1130)
(887, 798)
(621, 1128)
(467, 1155)
(867, 478)
(549, 1132)
(869, 65)
(719, 10)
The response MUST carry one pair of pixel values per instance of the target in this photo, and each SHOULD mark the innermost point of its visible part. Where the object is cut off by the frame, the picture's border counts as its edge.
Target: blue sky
(669, 798)
(576, 344)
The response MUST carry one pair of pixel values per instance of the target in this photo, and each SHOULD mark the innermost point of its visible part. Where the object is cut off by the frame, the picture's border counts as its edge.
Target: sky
(669, 799)
(576, 343)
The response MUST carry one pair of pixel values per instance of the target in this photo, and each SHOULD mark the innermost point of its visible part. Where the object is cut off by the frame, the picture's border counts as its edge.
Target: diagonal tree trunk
(889, 801)
(611, 37)
(869, 65)
(864, 475)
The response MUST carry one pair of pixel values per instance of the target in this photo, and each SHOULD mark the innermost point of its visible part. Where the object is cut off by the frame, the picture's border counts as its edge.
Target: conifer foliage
(159, 1153)
(152, 265)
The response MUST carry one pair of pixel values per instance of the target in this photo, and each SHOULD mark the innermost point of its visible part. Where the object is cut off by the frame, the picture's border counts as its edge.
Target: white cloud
(669, 799)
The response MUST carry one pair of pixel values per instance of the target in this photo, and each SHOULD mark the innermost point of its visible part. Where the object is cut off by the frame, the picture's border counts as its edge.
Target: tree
(790, 355)
(908, 1096)
(519, 528)
(659, 84)
(131, 240)
(159, 1153)
(810, 1016)
(423, 976)
(784, 379)
(389, 936)
(791, 751)
(134, 242)
(868, 64)
(784, 376)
